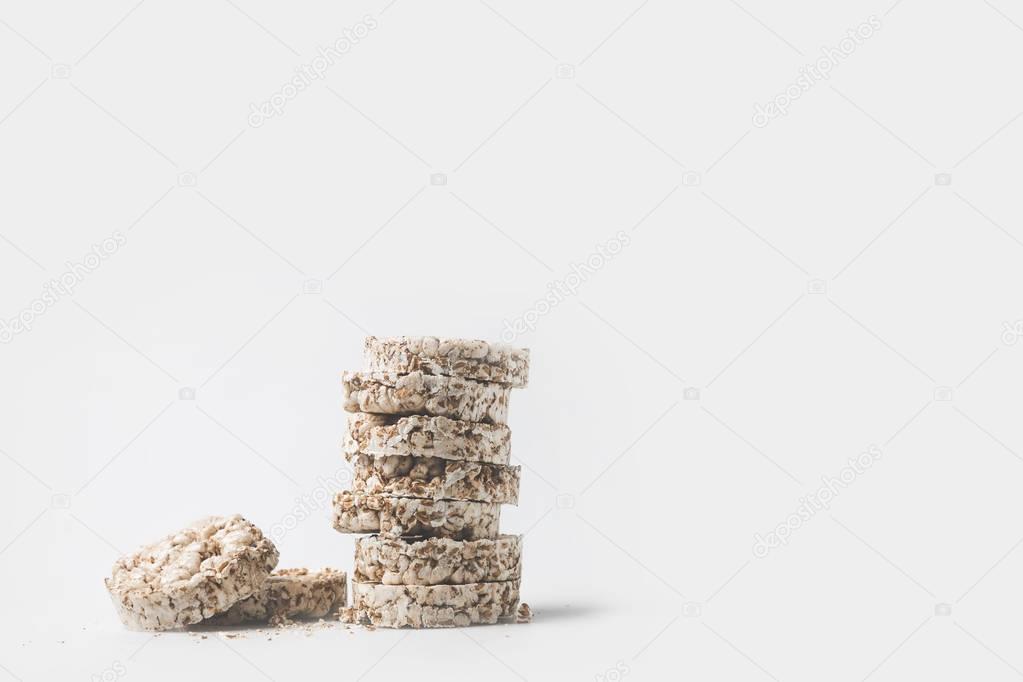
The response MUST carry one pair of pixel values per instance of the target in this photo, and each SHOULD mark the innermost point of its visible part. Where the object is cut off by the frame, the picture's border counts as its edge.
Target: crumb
(524, 614)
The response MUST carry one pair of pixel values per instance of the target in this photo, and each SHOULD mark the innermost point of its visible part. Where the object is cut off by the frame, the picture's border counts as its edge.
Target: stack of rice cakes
(428, 441)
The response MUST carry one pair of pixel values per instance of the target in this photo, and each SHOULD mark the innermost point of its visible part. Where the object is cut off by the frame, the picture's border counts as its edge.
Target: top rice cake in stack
(464, 358)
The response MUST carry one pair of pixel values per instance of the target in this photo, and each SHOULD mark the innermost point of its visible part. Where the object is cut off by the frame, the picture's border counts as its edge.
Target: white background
(812, 282)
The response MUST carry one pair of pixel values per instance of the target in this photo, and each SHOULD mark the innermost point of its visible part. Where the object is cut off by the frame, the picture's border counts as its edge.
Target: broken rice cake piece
(191, 575)
(290, 594)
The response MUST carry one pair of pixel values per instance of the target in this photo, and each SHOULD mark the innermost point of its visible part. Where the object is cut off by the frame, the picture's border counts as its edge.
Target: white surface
(712, 293)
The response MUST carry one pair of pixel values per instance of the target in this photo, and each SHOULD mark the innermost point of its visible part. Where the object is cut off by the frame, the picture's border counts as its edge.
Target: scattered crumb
(524, 614)
(279, 620)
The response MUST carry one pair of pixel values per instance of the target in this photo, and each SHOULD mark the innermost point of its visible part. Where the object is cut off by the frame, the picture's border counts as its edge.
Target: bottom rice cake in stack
(430, 452)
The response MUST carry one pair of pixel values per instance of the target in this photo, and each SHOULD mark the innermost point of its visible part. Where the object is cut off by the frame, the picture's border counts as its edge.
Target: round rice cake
(433, 606)
(394, 516)
(435, 478)
(437, 561)
(465, 358)
(424, 436)
(420, 393)
(191, 575)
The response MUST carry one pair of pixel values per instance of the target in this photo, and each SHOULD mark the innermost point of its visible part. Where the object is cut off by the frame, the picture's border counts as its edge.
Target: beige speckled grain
(434, 606)
(394, 516)
(290, 594)
(191, 575)
(419, 393)
(423, 436)
(437, 561)
(435, 478)
(465, 358)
